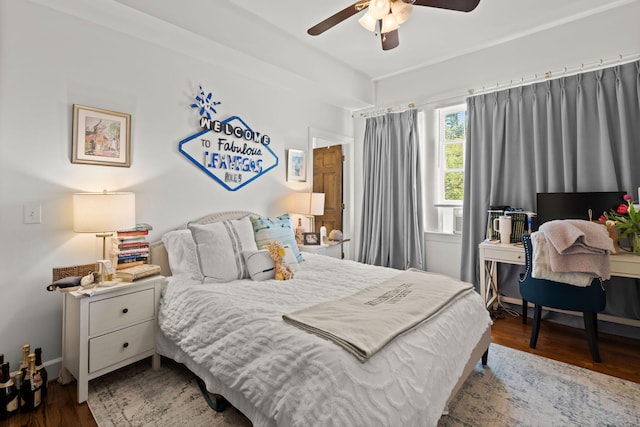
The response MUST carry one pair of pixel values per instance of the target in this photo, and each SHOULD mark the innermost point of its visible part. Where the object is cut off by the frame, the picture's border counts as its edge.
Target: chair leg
(485, 357)
(591, 327)
(537, 314)
(525, 307)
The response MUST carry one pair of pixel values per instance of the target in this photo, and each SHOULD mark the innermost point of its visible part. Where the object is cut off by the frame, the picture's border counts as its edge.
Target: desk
(490, 254)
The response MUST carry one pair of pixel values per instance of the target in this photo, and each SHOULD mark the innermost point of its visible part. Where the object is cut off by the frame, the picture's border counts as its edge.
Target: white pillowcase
(259, 264)
(220, 245)
(182, 254)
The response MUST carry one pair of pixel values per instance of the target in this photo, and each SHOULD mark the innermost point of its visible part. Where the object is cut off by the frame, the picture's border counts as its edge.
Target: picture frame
(296, 166)
(101, 137)
(311, 239)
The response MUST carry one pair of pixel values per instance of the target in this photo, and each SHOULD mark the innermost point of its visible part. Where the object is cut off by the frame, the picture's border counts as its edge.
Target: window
(444, 168)
(451, 141)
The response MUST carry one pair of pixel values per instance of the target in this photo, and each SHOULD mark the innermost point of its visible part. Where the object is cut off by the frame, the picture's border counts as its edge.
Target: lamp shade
(309, 203)
(379, 8)
(368, 22)
(100, 212)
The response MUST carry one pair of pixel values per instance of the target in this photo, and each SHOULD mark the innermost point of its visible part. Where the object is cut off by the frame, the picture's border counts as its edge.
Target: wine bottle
(299, 232)
(42, 372)
(19, 375)
(8, 393)
(30, 390)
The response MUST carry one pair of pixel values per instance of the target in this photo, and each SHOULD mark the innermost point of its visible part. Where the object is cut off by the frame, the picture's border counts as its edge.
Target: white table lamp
(309, 204)
(103, 213)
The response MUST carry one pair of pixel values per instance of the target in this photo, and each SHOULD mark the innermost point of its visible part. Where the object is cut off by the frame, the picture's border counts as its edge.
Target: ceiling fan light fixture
(368, 22)
(379, 8)
(401, 11)
(389, 23)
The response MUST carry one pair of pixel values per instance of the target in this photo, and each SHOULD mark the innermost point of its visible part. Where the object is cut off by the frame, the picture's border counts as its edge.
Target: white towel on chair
(541, 265)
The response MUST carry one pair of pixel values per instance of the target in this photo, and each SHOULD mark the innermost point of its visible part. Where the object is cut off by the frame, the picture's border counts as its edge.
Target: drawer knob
(125, 345)
(125, 310)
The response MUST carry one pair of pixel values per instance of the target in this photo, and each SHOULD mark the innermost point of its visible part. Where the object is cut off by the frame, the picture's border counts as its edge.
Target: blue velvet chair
(547, 293)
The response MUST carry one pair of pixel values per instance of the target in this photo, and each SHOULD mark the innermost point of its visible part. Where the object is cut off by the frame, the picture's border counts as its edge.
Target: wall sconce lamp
(103, 213)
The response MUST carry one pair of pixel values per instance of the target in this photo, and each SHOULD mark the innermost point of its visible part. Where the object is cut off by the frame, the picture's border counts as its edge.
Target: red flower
(627, 197)
(602, 218)
(623, 209)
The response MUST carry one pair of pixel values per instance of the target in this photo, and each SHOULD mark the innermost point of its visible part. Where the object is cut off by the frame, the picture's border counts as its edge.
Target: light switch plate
(32, 213)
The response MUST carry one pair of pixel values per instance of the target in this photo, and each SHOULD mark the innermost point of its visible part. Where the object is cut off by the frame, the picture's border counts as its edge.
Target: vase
(635, 243)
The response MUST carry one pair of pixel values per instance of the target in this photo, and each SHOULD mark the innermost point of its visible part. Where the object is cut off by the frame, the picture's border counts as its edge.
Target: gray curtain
(391, 228)
(576, 133)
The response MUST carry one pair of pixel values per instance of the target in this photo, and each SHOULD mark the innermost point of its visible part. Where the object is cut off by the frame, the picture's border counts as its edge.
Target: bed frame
(158, 256)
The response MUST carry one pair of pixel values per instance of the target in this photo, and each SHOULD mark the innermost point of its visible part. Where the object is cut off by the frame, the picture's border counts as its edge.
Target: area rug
(516, 388)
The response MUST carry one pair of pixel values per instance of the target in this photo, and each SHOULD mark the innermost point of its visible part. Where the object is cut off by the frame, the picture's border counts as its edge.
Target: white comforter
(299, 379)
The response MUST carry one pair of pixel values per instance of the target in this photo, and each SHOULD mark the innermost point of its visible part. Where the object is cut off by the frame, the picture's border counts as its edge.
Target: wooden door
(327, 179)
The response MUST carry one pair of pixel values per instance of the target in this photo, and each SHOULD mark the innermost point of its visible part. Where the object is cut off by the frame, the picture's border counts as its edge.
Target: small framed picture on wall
(296, 165)
(101, 137)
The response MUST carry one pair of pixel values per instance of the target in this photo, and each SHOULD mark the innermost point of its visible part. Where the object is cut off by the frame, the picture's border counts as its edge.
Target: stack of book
(130, 247)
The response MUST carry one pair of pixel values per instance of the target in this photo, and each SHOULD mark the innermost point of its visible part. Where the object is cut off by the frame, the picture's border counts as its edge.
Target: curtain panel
(391, 229)
(576, 133)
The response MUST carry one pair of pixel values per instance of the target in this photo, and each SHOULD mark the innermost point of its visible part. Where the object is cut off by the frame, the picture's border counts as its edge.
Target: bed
(232, 335)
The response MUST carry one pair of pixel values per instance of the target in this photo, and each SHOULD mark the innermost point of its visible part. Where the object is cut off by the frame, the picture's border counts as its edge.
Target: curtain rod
(536, 78)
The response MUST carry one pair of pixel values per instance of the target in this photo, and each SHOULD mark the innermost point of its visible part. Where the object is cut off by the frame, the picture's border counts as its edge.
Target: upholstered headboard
(158, 254)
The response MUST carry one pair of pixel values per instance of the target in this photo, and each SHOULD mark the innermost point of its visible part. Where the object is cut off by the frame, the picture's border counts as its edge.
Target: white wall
(585, 41)
(50, 60)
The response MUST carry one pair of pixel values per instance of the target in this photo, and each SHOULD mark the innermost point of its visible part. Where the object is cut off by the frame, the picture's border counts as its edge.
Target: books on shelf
(138, 272)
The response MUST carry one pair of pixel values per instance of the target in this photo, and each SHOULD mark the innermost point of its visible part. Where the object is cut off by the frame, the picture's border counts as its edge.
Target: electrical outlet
(32, 213)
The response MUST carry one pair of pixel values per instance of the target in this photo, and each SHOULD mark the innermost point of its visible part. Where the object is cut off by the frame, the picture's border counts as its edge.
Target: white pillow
(220, 245)
(182, 254)
(259, 264)
(290, 258)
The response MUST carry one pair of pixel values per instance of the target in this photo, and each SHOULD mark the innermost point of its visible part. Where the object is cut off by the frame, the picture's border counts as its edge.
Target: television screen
(552, 206)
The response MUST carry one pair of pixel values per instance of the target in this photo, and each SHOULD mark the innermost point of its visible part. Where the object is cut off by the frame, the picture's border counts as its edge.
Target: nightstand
(334, 251)
(112, 328)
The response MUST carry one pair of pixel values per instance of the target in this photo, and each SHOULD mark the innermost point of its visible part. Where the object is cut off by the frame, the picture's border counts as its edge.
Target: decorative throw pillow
(220, 245)
(259, 264)
(275, 229)
(182, 253)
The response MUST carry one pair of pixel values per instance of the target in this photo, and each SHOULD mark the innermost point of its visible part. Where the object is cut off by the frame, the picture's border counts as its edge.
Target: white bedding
(293, 378)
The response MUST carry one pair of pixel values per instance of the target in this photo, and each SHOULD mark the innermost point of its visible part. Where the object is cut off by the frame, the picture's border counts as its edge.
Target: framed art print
(101, 137)
(296, 166)
(311, 238)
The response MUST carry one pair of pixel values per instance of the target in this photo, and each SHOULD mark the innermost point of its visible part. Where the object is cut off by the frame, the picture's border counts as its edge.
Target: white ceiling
(262, 27)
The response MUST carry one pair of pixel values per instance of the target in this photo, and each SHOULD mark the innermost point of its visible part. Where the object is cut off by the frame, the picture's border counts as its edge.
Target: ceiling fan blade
(337, 18)
(459, 5)
(390, 40)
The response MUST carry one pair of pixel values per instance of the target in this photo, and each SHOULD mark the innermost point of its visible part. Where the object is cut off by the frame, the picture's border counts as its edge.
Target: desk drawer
(117, 312)
(117, 346)
(506, 256)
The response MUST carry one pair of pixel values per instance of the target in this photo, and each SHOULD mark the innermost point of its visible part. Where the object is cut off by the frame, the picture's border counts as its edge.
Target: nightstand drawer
(513, 255)
(120, 345)
(113, 313)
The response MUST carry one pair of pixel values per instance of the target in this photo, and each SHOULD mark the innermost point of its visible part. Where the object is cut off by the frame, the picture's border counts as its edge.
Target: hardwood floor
(620, 358)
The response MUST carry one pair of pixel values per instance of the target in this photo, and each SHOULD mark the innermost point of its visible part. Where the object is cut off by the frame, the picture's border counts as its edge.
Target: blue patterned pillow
(279, 229)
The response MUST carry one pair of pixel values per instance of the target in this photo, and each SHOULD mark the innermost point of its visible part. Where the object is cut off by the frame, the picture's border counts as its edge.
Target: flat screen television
(552, 206)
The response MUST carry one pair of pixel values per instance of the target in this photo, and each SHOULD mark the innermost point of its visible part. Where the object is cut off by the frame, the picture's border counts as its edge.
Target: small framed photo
(311, 238)
(296, 166)
(101, 137)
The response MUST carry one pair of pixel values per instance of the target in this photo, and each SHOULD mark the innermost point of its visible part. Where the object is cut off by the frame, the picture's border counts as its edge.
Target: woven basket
(74, 270)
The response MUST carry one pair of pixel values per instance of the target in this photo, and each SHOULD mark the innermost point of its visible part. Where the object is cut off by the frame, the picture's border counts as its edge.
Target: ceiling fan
(385, 16)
